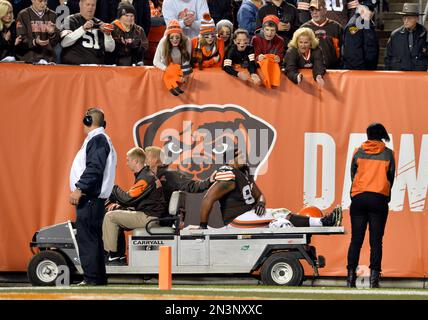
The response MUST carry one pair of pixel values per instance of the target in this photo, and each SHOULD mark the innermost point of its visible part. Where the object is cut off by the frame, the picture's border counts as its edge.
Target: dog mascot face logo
(197, 140)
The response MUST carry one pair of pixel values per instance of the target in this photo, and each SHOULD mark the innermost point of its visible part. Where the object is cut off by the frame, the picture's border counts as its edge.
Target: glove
(259, 208)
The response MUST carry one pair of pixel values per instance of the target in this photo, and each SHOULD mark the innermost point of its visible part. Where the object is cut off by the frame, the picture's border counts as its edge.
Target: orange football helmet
(311, 211)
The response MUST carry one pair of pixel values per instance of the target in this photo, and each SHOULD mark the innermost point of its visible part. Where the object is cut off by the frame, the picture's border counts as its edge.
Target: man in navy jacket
(91, 182)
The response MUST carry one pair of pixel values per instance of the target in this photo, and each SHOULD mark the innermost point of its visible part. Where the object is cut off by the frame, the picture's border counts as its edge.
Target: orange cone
(165, 275)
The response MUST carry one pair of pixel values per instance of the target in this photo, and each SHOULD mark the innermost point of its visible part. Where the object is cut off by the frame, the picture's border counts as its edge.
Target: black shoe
(334, 219)
(352, 278)
(117, 261)
(374, 278)
(85, 283)
(174, 92)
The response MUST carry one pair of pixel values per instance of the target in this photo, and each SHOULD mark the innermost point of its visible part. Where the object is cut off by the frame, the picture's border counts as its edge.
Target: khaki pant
(121, 218)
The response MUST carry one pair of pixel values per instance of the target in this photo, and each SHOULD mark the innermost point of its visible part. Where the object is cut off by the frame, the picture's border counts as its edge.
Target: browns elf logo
(197, 140)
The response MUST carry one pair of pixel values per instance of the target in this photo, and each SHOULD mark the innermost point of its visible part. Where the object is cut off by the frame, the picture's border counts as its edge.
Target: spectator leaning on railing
(173, 56)
(269, 51)
(225, 30)
(304, 52)
(207, 48)
(240, 61)
(37, 34)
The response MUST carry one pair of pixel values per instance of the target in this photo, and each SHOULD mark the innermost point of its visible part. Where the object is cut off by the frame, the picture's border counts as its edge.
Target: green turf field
(207, 292)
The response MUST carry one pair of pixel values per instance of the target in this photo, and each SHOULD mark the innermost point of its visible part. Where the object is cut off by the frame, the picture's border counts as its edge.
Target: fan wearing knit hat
(269, 51)
(208, 49)
(131, 41)
(225, 31)
(173, 55)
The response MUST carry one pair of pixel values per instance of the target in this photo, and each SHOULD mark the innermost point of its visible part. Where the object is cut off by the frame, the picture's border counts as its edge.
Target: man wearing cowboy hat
(407, 46)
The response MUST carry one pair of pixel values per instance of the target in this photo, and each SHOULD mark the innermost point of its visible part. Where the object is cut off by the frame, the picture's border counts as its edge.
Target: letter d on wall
(328, 146)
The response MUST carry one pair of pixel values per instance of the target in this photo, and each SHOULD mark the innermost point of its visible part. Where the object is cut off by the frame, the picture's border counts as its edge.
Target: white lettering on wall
(312, 141)
(407, 178)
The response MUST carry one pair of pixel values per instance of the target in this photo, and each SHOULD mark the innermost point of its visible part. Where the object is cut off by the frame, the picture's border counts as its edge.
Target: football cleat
(334, 219)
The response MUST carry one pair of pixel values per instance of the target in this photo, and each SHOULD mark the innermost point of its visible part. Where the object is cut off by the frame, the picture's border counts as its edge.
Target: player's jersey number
(91, 40)
(247, 195)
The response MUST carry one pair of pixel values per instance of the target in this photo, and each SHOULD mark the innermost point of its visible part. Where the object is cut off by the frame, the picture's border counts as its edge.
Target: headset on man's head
(87, 119)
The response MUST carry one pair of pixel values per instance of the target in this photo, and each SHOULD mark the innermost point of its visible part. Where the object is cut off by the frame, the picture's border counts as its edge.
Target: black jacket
(360, 46)
(173, 181)
(398, 55)
(145, 195)
(220, 9)
(7, 48)
(143, 18)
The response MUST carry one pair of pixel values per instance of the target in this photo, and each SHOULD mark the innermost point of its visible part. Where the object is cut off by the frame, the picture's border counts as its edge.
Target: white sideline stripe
(334, 291)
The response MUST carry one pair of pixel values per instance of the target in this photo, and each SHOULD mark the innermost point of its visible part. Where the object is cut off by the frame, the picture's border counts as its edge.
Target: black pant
(372, 209)
(89, 222)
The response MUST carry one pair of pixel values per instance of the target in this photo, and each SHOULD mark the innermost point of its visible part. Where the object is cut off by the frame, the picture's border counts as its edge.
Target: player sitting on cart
(242, 204)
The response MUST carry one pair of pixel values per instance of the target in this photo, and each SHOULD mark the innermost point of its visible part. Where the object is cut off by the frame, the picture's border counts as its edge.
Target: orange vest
(372, 169)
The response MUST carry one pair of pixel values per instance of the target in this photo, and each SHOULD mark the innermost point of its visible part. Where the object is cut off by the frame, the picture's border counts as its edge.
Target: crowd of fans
(251, 39)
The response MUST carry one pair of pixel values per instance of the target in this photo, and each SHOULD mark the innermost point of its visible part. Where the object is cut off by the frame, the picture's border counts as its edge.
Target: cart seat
(176, 203)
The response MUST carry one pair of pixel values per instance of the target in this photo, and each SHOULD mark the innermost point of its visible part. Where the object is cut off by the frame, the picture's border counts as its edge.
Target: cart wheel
(43, 268)
(282, 270)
